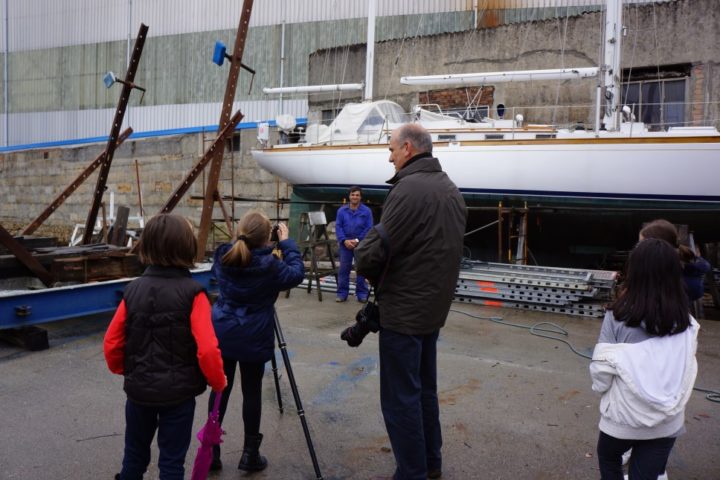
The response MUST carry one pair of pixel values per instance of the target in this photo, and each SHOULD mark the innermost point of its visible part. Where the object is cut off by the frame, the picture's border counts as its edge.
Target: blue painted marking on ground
(344, 384)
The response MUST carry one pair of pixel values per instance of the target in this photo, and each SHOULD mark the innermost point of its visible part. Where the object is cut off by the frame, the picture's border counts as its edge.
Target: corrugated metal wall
(60, 49)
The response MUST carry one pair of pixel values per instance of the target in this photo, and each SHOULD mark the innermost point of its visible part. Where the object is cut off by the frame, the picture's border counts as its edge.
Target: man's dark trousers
(408, 397)
(174, 426)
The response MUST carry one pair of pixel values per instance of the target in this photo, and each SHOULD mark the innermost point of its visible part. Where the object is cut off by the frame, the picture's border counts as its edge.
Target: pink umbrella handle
(216, 404)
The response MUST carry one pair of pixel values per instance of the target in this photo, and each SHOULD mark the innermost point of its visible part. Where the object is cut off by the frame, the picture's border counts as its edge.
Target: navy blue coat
(243, 315)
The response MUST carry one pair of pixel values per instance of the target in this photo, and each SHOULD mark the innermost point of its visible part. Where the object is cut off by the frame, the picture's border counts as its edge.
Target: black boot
(251, 460)
(216, 462)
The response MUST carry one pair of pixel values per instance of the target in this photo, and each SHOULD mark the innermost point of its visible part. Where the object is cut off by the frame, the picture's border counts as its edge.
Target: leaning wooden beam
(218, 144)
(212, 183)
(73, 186)
(128, 85)
(25, 257)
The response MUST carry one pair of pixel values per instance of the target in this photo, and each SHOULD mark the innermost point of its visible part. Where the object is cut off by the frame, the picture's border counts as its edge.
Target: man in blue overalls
(352, 223)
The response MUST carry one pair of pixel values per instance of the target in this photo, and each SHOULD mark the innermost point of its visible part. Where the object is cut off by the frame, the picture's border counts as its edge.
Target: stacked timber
(548, 289)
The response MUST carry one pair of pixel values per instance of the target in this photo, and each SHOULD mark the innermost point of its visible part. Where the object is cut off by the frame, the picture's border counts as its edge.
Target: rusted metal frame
(218, 144)
(228, 221)
(25, 257)
(214, 175)
(128, 86)
(139, 192)
(73, 186)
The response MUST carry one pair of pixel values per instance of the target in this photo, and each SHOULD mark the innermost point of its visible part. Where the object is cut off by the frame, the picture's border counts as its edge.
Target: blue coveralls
(351, 224)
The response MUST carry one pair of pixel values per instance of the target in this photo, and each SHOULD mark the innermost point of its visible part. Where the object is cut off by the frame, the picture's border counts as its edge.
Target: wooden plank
(25, 257)
(119, 228)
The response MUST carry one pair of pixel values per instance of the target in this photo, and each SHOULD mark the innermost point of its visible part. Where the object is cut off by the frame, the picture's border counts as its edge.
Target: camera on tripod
(366, 320)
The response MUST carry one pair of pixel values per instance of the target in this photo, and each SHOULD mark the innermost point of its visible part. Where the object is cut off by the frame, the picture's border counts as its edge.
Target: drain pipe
(370, 50)
(282, 59)
(5, 75)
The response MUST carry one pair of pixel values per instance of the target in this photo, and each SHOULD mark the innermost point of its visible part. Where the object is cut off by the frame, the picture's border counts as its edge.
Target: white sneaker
(664, 476)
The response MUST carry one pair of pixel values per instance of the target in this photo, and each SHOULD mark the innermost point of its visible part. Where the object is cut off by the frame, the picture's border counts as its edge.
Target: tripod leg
(273, 362)
(296, 395)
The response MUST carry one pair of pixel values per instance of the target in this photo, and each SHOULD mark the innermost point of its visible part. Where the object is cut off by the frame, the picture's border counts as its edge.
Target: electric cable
(554, 329)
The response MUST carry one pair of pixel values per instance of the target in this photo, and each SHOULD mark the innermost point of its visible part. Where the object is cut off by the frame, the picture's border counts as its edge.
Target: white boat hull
(683, 171)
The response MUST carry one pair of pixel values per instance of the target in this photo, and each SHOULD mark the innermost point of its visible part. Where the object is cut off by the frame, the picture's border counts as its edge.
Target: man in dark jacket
(424, 218)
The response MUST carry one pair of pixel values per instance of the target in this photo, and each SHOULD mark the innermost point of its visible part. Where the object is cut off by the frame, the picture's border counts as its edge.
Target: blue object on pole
(219, 53)
(109, 79)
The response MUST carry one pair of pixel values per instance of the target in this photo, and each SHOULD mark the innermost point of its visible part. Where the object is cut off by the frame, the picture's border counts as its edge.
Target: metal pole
(5, 74)
(282, 58)
(370, 50)
(296, 395)
(273, 362)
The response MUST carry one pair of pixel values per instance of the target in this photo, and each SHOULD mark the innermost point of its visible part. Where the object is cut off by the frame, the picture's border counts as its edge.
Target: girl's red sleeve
(114, 343)
(208, 352)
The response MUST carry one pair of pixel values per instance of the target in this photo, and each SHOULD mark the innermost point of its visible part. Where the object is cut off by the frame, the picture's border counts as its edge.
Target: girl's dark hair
(653, 294)
(253, 231)
(168, 241)
(665, 230)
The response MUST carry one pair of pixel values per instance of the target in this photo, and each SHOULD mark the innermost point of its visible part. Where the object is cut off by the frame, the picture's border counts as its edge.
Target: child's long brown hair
(654, 295)
(253, 231)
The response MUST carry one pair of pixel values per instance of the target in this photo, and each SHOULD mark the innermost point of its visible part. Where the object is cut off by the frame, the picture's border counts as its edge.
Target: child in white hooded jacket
(644, 365)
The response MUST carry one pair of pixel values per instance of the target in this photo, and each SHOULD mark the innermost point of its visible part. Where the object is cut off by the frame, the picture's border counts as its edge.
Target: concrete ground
(513, 405)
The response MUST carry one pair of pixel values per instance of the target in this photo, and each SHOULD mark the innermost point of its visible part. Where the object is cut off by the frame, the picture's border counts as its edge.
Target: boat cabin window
(545, 135)
(446, 138)
(494, 136)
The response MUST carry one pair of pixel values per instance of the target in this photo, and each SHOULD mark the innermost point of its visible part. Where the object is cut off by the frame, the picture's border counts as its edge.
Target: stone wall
(31, 179)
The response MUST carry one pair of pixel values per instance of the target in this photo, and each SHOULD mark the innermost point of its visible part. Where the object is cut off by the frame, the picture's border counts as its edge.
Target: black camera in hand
(274, 237)
(366, 320)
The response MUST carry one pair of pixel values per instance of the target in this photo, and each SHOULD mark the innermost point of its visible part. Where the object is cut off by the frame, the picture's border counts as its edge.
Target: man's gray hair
(417, 136)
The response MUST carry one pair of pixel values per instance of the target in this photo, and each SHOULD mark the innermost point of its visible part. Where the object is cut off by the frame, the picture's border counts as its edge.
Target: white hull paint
(671, 172)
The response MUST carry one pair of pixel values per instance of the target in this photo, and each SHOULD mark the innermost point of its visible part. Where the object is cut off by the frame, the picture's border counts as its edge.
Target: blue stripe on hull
(478, 196)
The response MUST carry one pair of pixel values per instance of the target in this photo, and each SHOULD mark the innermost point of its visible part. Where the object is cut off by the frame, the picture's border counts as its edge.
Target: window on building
(329, 115)
(657, 96)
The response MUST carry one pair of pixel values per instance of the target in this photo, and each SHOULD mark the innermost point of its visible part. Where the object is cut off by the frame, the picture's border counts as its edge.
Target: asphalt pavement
(513, 405)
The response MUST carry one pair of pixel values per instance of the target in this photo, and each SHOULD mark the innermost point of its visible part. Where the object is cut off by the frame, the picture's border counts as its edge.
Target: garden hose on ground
(553, 330)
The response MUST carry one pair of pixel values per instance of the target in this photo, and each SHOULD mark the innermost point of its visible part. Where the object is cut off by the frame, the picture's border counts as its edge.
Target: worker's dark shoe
(216, 463)
(434, 473)
(251, 460)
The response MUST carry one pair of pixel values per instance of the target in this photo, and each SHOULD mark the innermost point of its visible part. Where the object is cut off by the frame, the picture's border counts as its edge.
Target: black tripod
(296, 394)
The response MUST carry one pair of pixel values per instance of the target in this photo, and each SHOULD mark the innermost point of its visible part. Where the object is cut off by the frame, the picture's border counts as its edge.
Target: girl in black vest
(250, 278)
(162, 340)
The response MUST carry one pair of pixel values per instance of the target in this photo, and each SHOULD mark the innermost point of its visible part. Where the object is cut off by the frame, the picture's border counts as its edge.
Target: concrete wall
(30, 180)
(682, 32)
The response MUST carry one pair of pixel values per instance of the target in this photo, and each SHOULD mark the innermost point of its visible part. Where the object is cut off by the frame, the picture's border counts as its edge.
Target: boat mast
(611, 64)
(370, 57)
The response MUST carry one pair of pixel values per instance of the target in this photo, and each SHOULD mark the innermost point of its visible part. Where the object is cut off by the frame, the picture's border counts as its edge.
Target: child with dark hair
(250, 278)
(694, 266)
(644, 364)
(162, 340)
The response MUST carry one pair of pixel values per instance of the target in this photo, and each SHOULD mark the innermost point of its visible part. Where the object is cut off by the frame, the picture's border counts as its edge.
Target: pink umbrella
(209, 435)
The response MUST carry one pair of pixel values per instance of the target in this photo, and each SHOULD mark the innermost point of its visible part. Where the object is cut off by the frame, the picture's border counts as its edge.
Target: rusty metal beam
(25, 257)
(218, 144)
(214, 175)
(128, 85)
(32, 226)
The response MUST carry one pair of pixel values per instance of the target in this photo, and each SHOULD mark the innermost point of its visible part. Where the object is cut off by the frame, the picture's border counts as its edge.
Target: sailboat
(620, 162)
